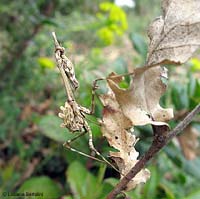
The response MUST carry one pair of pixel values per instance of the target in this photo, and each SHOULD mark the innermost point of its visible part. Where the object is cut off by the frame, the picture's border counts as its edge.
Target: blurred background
(99, 37)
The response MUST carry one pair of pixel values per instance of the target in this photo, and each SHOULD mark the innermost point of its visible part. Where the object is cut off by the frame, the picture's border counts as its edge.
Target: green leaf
(195, 65)
(112, 181)
(107, 188)
(82, 183)
(108, 185)
(192, 167)
(51, 22)
(191, 85)
(123, 84)
(180, 96)
(139, 44)
(194, 195)
(46, 62)
(44, 185)
(174, 154)
(95, 128)
(169, 193)
(101, 173)
(195, 99)
(120, 66)
(67, 197)
(151, 186)
(50, 127)
(8, 172)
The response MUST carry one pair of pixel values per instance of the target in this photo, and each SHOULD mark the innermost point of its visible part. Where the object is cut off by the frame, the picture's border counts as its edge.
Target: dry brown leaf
(43, 107)
(26, 112)
(114, 125)
(29, 133)
(140, 103)
(125, 108)
(189, 142)
(174, 37)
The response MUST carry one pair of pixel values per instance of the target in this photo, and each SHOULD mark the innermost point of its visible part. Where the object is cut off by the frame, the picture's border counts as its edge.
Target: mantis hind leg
(91, 146)
(67, 144)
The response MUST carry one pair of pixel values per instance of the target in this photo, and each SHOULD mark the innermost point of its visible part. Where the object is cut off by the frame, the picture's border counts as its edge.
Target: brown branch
(160, 140)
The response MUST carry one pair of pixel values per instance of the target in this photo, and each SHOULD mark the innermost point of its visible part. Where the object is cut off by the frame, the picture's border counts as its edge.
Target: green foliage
(179, 96)
(186, 96)
(139, 45)
(114, 22)
(193, 195)
(85, 185)
(193, 88)
(152, 185)
(82, 183)
(195, 65)
(50, 127)
(29, 78)
(44, 185)
(45, 62)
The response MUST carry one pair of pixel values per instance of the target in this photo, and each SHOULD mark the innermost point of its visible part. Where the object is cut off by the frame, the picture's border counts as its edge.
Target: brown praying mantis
(72, 113)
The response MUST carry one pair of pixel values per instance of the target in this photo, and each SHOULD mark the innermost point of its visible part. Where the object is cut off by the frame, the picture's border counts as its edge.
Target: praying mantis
(72, 113)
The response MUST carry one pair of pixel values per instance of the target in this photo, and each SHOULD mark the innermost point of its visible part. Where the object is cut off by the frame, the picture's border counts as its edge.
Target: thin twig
(160, 140)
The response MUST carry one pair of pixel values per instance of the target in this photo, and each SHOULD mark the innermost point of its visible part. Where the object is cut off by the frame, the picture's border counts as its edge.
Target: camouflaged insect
(72, 113)
(73, 117)
(67, 65)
